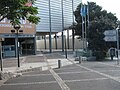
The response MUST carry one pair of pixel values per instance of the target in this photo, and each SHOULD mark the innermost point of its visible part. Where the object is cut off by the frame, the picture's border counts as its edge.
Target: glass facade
(50, 12)
(67, 13)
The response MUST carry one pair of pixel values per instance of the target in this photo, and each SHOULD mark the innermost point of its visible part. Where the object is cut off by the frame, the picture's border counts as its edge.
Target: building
(56, 16)
(26, 38)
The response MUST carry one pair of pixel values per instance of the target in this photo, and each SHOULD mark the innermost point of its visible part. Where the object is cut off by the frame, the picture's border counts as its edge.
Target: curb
(30, 69)
(4, 76)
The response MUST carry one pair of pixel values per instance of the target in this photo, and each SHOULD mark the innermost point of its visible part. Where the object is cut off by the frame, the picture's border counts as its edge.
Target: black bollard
(80, 60)
(0, 76)
(59, 63)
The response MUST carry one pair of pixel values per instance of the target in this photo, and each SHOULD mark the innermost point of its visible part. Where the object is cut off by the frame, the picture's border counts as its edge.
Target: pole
(34, 40)
(85, 35)
(83, 31)
(62, 26)
(62, 42)
(73, 26)
(50, 41)
(81, 13)
(68, 39)
(17, 48)
(1, 62)
(65, 48)
(17, 27)
(16, 44)
(45, 41)
(73, 40)
(88, 18)
(55, 40)
(118, 46)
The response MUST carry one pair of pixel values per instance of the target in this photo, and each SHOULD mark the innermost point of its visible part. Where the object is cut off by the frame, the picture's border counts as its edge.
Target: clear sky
(109, 5)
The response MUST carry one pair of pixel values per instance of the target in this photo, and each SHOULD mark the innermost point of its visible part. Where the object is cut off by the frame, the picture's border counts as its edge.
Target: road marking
(108, 64)
(31, 83)
(67, 68)
(74, 72)
(109, 70)
(35, 75)
(57, 78)
(103, 74)
(85, 80)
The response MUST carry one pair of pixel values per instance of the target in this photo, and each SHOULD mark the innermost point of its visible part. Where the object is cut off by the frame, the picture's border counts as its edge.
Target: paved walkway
(71, 76)
(31, 62)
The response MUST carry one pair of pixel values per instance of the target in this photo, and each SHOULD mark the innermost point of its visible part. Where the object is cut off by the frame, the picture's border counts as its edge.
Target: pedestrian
(112, 53)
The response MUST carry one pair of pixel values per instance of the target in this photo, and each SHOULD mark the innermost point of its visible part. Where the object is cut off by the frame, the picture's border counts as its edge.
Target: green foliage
(99, 54)
(100, 21)
(14, 10)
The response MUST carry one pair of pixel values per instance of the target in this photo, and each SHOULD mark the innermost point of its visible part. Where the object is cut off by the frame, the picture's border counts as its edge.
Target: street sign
(110, 35)
(110, 38)
(110, 32)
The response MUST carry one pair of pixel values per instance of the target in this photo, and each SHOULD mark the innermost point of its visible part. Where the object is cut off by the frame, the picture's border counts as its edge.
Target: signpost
(110, 38)
(110, 32)
(118, 45)
(110, 35)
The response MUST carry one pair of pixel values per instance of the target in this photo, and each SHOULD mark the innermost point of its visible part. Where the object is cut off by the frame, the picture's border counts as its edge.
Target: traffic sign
(110, 38)
(110, 32)
(110, 35)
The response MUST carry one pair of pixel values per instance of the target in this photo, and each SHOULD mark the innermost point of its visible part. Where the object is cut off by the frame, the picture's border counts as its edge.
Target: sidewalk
(29, 63)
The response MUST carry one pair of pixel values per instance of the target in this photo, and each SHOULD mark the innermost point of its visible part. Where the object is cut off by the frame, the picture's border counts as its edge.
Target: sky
(112, 6)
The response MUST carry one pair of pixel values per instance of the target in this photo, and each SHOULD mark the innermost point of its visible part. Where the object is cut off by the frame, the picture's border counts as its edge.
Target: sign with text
(6, 27)
(110, 38)
(110, 35)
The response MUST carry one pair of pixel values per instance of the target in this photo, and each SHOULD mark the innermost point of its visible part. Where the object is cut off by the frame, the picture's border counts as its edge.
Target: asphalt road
(85, 76)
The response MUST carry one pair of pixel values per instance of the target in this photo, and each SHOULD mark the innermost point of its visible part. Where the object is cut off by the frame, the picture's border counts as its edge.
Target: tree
(100, 20)
(15, 10)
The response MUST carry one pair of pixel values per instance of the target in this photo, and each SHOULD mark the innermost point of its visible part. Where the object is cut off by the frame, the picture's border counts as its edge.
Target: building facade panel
(43, 8)
(54, 17)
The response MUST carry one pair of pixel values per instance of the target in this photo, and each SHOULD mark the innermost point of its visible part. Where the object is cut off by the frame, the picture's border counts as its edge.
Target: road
(86, 76)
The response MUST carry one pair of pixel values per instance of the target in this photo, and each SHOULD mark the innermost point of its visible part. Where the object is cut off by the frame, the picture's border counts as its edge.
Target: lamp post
(1, 61)
(1, 55)
(17, 27)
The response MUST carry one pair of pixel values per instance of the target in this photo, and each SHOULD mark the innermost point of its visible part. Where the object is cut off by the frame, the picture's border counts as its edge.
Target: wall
(40, 44)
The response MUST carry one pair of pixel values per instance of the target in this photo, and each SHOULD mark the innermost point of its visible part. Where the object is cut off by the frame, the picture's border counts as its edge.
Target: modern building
(56, 16)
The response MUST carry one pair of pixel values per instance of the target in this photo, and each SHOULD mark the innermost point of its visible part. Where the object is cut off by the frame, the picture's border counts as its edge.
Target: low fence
(40, 44)
(83, 53)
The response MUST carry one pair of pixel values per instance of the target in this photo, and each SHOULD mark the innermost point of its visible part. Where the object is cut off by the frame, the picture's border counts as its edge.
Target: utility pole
(118, 45)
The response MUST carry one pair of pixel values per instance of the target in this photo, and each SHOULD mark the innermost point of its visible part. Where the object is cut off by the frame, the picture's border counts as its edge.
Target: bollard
(59, 63)
(0, 76)
(79, 60)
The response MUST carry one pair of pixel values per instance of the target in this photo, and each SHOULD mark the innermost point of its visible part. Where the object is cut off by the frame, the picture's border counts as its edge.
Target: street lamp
(1, 55)
(17, 27)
